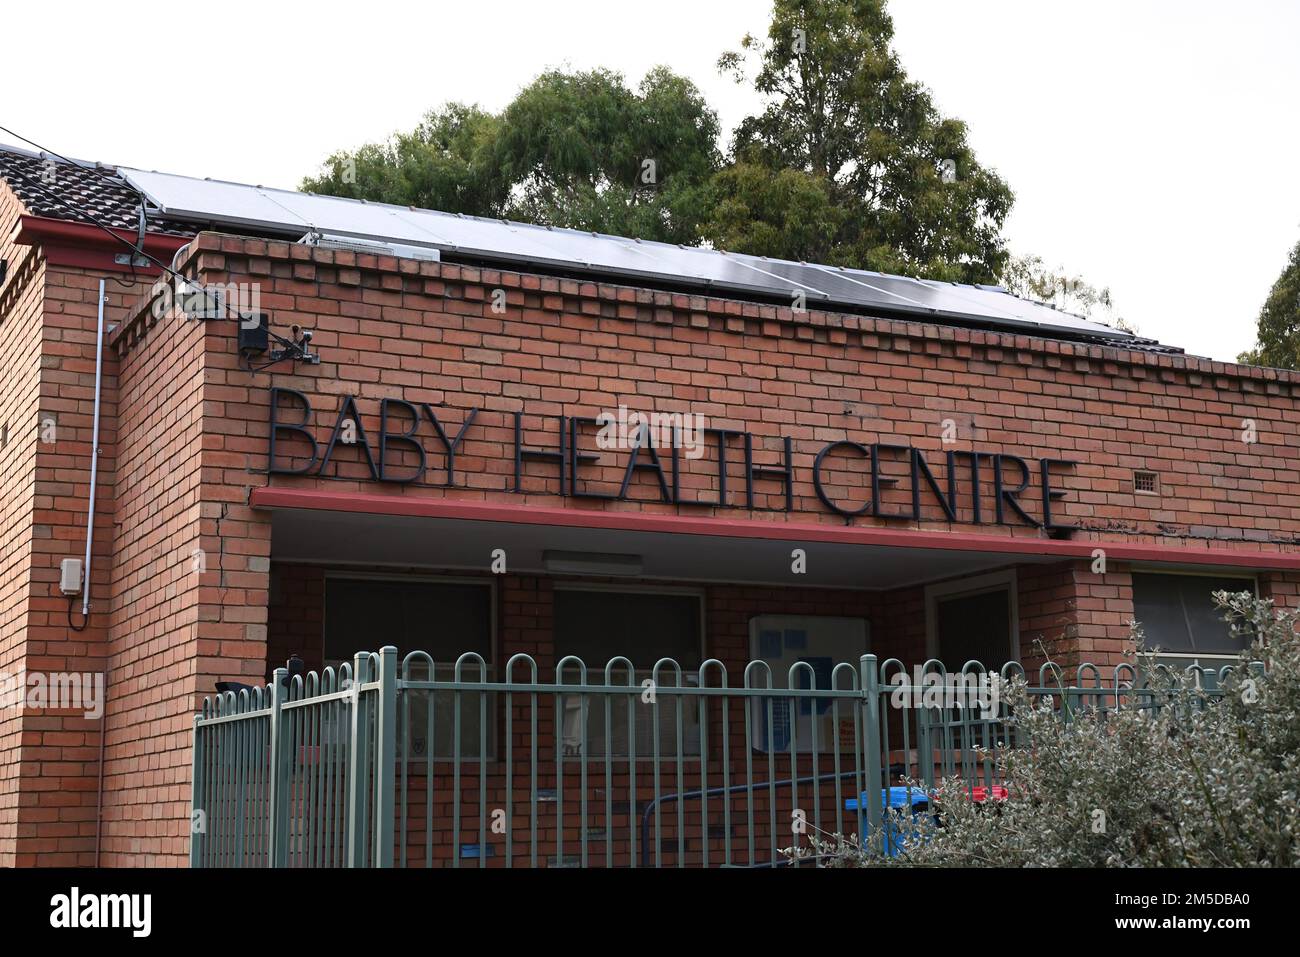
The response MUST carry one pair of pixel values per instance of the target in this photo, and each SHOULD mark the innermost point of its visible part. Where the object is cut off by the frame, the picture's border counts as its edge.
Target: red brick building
(917, 483)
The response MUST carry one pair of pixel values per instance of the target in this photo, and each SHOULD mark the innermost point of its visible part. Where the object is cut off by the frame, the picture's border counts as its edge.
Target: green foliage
(1200, 782)
(578, 150)
(785, 214)
(583, 151)
(1278, 334)
(1029, 278)
(841, 109)
(444, 163)
(844, 165)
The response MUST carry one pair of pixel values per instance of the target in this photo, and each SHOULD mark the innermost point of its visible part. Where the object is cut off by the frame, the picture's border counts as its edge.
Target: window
(973, 619)
(443, 617)
(597, 624)
(821, 642)
(1179, 618)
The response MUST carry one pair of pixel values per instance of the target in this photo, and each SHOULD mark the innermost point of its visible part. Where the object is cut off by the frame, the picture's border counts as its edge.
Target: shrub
(1199, 781)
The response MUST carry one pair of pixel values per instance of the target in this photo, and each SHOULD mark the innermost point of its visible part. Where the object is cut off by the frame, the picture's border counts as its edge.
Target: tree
(1278, 331)
(848, 163)
(578, 150)
(906, 191)
(583, 151)
(1029, 278)
(445, 163)
(785, 214)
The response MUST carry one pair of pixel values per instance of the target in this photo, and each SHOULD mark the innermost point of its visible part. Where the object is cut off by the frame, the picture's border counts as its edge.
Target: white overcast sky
(1153, 145)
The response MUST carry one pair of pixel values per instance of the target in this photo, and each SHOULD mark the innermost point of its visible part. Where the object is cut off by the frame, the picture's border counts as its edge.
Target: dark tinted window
(444, 619)
(1178, 615)
(640, 626)
(975, 628)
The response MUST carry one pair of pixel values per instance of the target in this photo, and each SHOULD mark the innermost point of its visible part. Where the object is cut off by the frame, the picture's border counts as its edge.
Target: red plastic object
(980, 793)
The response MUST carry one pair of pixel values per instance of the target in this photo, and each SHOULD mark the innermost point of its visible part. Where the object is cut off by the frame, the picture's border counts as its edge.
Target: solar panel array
(292, 214)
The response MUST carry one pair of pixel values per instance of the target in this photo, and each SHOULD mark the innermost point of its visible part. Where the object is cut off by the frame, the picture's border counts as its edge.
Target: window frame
(754, 630)
(472, 672)
(1187, 658)
(755, 712)
(699, 594)
(487, 582)
(969, 587)
(701, 597)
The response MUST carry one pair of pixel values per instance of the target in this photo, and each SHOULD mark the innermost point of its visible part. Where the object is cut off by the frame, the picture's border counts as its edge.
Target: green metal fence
(963, 742)
(415, 763)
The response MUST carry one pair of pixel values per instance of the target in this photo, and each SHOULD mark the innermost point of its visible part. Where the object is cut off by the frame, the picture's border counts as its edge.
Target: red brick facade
(185, 554)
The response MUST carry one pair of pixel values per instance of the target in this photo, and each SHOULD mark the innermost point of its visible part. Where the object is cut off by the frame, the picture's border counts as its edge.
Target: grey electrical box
(70, 576)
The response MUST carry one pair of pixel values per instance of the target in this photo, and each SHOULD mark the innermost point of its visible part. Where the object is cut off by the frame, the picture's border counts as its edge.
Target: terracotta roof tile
(56, 189)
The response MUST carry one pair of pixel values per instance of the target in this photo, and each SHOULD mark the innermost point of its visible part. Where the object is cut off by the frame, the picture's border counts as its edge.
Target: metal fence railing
(383, 763)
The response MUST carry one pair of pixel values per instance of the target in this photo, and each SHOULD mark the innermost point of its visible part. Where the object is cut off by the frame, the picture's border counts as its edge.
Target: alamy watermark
(54, 691)
(933, 689)
(658, 430)
(213, 300)
(79, 909)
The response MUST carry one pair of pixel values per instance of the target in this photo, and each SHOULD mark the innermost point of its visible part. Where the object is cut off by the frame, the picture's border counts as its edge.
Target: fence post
(386, 760)
(278, 798)
(871, 705)
(925, 737)
(359, 769)
(197, 798)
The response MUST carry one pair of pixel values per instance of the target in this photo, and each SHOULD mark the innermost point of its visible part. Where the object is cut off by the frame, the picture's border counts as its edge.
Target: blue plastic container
(895, 801)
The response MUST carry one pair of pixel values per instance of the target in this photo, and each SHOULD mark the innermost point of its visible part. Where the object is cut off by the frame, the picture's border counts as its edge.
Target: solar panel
(284, 212)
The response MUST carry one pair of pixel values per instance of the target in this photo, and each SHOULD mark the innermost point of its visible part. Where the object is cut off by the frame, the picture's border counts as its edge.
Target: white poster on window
(817, 644)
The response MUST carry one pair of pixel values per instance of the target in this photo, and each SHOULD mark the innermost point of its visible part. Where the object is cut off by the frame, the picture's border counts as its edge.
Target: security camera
(302, 342)
(297, 348)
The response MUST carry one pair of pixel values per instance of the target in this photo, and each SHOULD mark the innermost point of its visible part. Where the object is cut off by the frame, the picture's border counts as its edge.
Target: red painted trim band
(86, 245)
(401, 505)
(88, 234)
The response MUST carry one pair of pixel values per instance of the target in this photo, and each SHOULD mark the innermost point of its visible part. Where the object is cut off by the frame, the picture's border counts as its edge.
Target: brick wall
(48, 319)
(1065, 612)
(1049, 600)
(427, 333)
(185, 607)
(20, 350)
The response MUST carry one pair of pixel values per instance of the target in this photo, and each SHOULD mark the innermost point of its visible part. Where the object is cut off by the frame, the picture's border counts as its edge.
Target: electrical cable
(72, 601)
(116, 181)
(293, 350)
(164, 267)
(95, 222)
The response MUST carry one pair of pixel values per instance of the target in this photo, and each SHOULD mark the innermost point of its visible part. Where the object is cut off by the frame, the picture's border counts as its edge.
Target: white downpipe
(94, 455)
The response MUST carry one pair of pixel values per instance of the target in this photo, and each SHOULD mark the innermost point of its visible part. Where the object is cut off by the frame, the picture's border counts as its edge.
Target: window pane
(1177, 613)
(640, 626)
(975, 628)
(414, 714)
(444, 619)
(802, 652)
(613, 733)
(643, 627)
